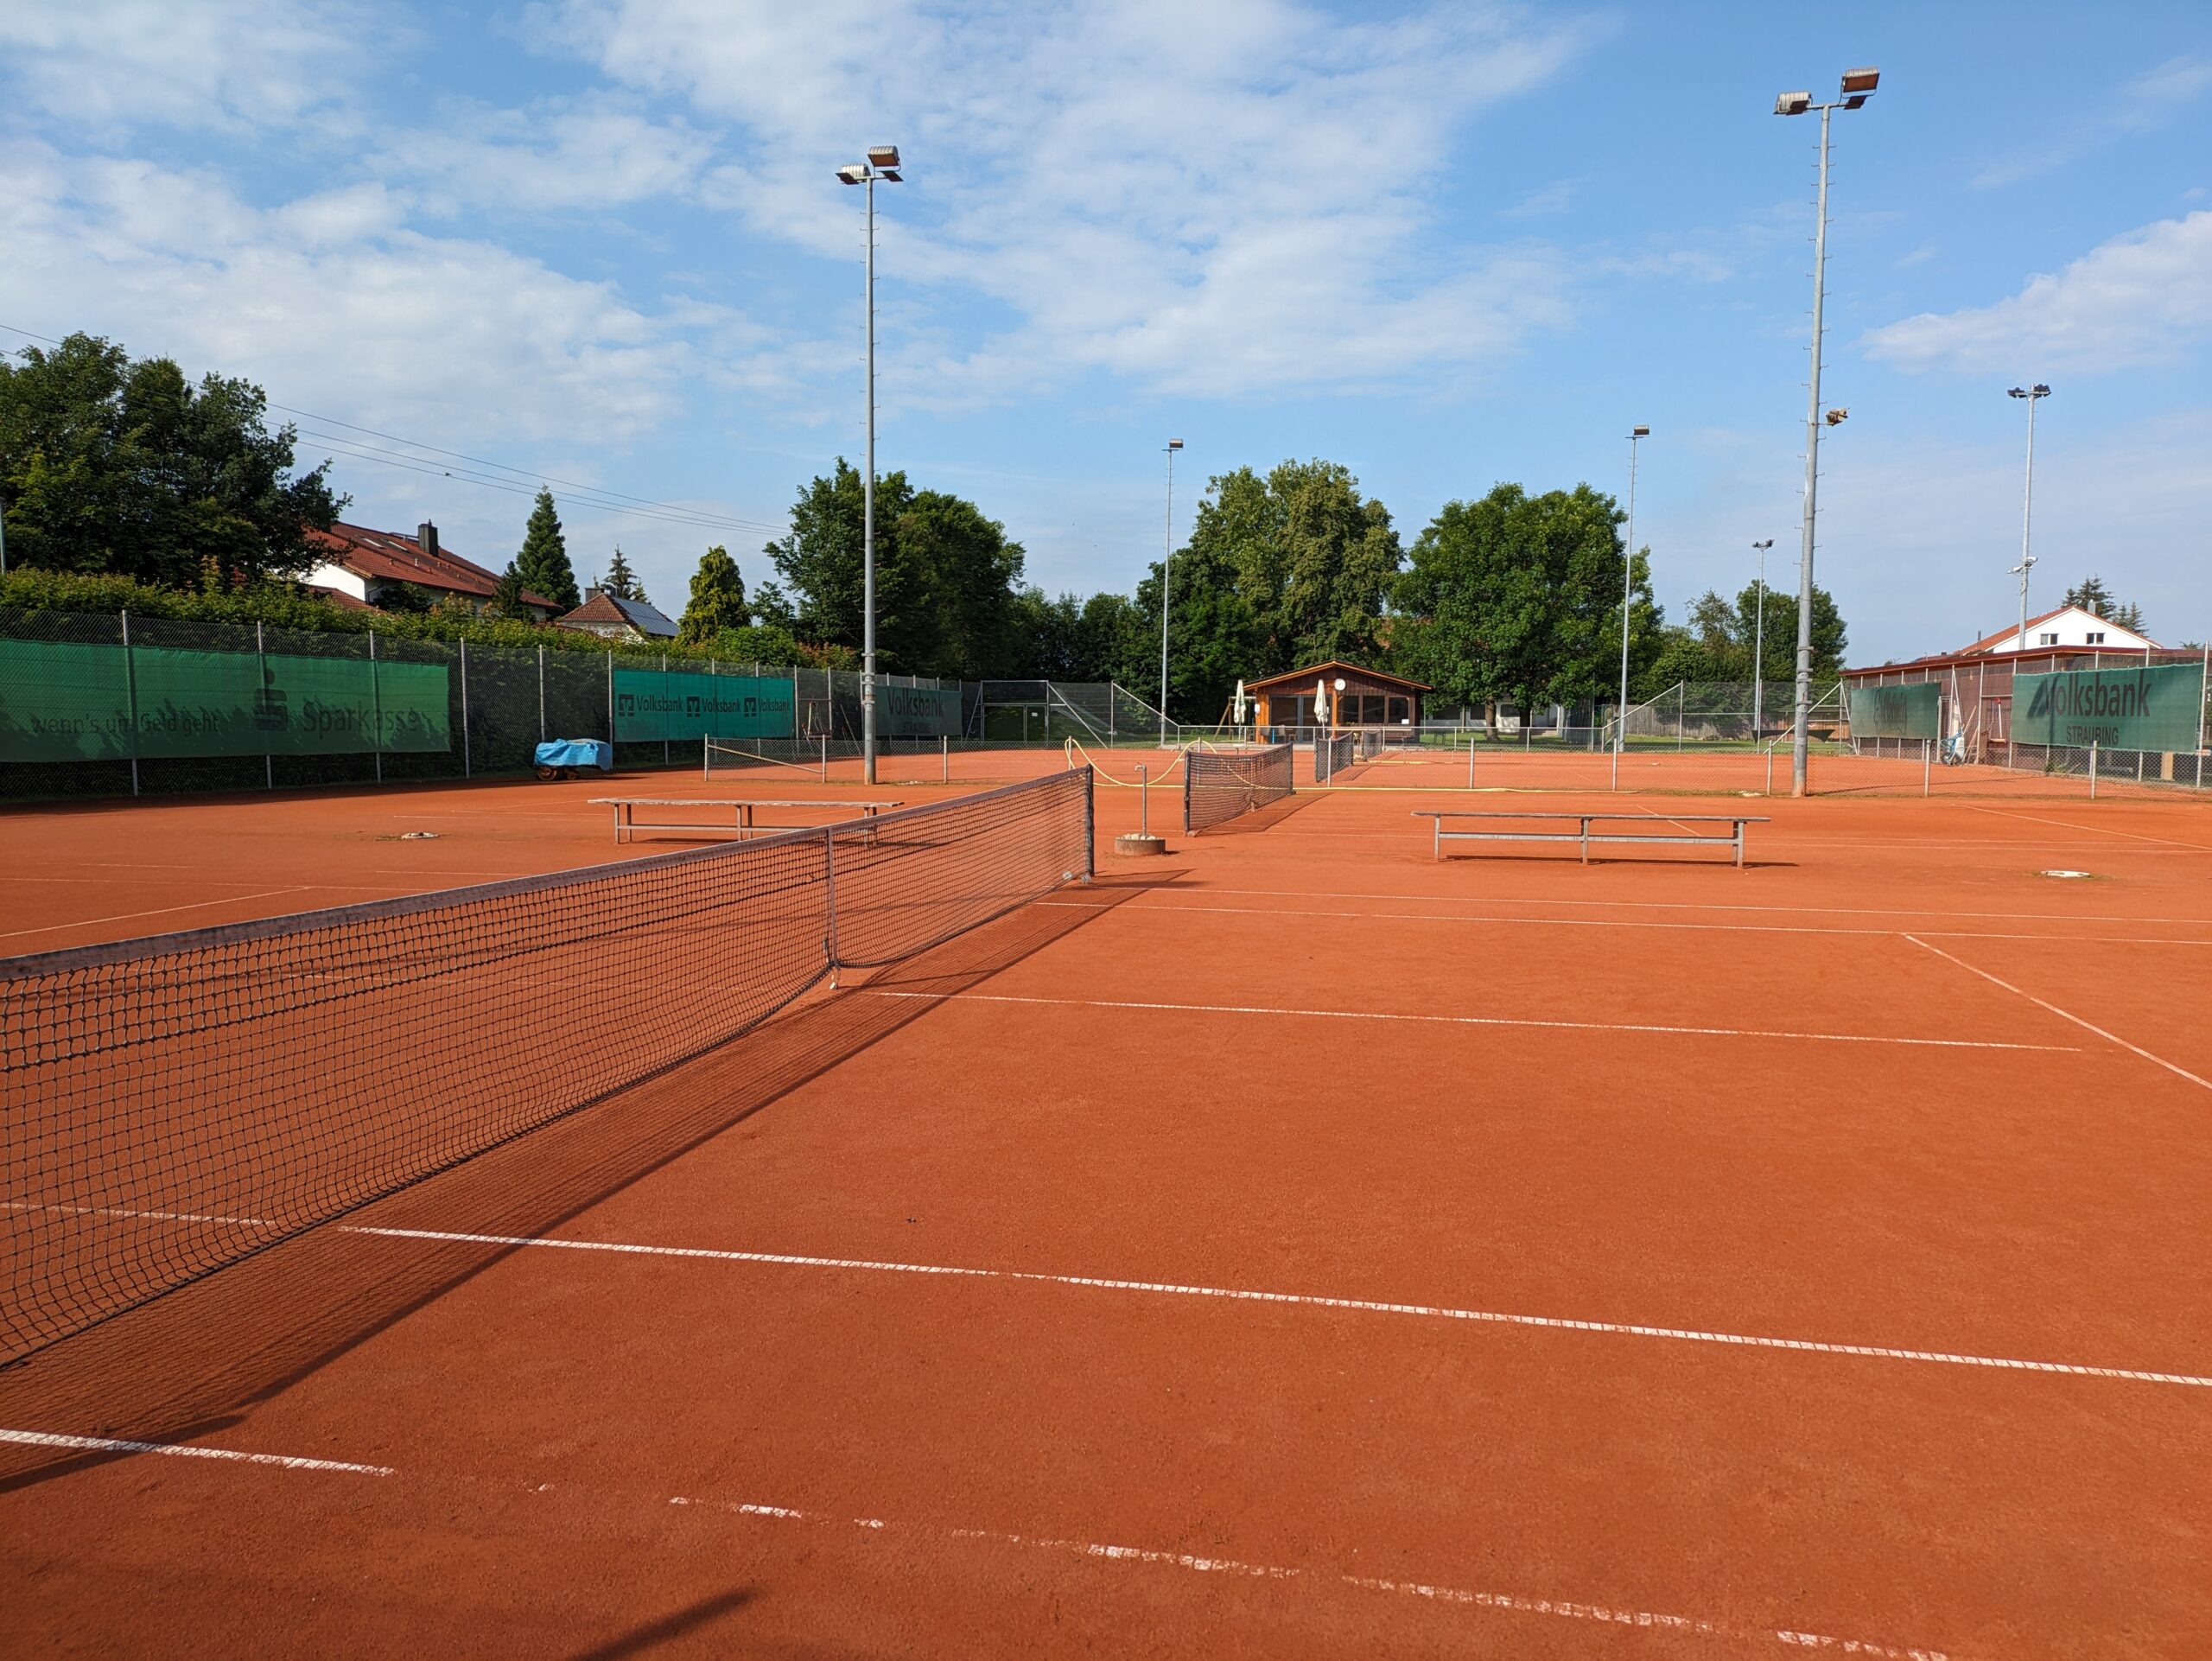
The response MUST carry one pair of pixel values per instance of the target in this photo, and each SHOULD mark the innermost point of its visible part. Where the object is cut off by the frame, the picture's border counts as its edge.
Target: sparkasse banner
(2139, 708)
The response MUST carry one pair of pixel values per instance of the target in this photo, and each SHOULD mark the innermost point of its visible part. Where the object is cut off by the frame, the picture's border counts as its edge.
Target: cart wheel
(549, 772)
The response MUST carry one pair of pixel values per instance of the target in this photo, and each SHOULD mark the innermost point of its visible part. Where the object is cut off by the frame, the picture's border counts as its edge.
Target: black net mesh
(168, 1106)
(1219, 784)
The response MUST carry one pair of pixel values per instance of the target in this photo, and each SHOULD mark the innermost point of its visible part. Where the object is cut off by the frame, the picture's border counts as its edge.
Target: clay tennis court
(1298, 1245)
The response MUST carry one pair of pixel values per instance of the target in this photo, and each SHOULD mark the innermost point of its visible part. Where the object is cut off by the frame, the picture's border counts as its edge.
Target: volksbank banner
(1914, 711)
(65, 701)
(679, 704)
(2141, 709)
(918, 711)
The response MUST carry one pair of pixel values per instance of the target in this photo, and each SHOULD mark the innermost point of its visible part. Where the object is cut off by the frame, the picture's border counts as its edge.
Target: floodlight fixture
(1175, 444)
(890, 176)
(1793, 104)
(1861, 83)
(883, 156)
(854, 175)
(1639, 432)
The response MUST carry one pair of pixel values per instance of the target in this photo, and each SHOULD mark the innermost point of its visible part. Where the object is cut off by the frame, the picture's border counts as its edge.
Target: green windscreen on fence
(680, 704)
(66, 701)
(2139, 708)
(919, 711)
(1913, 711)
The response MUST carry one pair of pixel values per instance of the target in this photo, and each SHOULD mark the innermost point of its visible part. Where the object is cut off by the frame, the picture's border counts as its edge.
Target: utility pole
(1166, 554)
(1759, 651)
(1628, 592)
(2032, 394)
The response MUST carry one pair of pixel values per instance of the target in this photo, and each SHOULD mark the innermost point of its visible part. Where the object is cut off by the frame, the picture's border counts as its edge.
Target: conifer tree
(717, 600)
(621, 581)
(544, 562)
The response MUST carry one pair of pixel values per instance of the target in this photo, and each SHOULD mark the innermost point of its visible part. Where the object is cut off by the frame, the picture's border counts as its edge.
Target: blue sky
(601, 240)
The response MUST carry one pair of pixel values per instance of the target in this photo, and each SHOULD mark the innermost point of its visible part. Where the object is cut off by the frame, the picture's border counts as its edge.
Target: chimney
(593, 592)
(427, 534)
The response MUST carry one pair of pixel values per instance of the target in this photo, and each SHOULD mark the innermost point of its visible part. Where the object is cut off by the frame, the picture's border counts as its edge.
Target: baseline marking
(2202, 1083)
(1692, 905)
(1299, 1299)
(1639, 922)
(1483, 1020)
(1148, 1557)
(188, 1450)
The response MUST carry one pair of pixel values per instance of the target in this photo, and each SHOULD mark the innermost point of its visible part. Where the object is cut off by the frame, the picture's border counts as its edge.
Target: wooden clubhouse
(1337, 694)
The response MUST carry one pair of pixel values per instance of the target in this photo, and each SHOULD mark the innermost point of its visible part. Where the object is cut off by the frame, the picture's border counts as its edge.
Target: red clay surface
(1296, 1246)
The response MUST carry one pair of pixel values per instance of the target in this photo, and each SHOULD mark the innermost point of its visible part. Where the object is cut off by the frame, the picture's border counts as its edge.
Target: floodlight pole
(867, 522)
(1759, 651)
(1166, 554)
(1857, 87)
(2032, 394)
(1628, 590)
(882, 163)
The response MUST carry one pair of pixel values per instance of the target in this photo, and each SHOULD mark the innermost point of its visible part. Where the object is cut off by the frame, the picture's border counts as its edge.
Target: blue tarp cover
(577, 752)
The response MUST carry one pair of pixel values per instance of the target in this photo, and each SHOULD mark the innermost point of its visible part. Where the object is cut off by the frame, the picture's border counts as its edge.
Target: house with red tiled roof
(2067, 626)
(616, 618)
(362, 567)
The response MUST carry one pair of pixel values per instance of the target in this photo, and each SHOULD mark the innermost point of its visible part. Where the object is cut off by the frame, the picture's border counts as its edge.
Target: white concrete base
(1135, 842)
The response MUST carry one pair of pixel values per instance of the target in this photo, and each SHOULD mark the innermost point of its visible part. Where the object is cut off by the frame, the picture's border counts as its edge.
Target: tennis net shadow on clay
(187, 1364)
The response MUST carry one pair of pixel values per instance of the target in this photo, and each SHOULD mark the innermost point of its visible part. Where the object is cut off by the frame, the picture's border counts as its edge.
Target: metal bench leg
(1739, 844)
(1586, 841)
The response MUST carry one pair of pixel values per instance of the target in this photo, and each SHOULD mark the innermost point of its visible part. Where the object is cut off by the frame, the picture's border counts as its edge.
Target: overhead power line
(418, 457)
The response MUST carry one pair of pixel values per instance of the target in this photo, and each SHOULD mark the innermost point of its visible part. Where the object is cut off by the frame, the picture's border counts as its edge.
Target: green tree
(621, 581)
(543, 561)
(717, 600)
(819, 558)
(2091, 594)
(1312, 558)
(760, 643)
(955, 605)
(1516, 599)
(1109, 632)
(108, 465)
(506, 594)
(1212, 636)
(1778, 653)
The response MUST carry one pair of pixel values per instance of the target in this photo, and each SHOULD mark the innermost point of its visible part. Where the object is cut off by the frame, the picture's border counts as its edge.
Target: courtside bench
(627, 824)
(1733, 838)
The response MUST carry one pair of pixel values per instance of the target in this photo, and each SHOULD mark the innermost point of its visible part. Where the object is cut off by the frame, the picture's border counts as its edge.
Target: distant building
(361, 567)
(2069, 626)
(602, 613)
(1336, 695)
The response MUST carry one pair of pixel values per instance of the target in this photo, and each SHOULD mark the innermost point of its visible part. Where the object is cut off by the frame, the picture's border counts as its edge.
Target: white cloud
(235, 63)
(588, 154)
(1223, 200)
(2131, 300)
(329, 301)
(2146, 103)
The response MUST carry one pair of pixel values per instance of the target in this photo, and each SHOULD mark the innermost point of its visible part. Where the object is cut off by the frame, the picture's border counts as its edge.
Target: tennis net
(171, 1106)
(1333, 754)
(1219, 784)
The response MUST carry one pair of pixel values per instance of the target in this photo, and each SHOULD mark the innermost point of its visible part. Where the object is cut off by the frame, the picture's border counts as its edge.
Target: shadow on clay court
(640, 1640)
(187, 1363)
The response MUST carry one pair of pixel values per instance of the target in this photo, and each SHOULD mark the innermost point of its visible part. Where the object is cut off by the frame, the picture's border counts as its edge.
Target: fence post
(944, 749)
(664, 742)
(610, 701)
(1470, 761)
(2093, 770)
(261, 669)
(376, 692)
(1926, 766)
(130, 682)
(468, 771)
(541, 695)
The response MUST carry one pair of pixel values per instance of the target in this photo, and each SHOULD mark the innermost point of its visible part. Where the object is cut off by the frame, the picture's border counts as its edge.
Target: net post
(1144, 802)
(1090, 823)
(467, 768)
(1926, 766)
(829, 901)
(130, 682)
(707, 758)
(2093, 770)
(825, 758)
(1470, 761)
(945, 751)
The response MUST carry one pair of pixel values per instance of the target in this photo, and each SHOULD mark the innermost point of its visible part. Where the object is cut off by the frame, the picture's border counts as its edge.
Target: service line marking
(1097, 1550)
(2092, 830)
(2064, 1015)
(1298, 1300)
(188, 1450)
(1481, 1021)
(1638, 922)
(159, 911)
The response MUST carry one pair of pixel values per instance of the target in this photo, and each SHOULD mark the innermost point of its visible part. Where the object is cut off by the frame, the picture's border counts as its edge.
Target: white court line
(161, 911)
(1483, 1020)
(1689, 905)
(1302, 1300)
(186, 1450)
(1517, 1603)
(1167, 904)
(2064, 1015)
(2091, 830)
